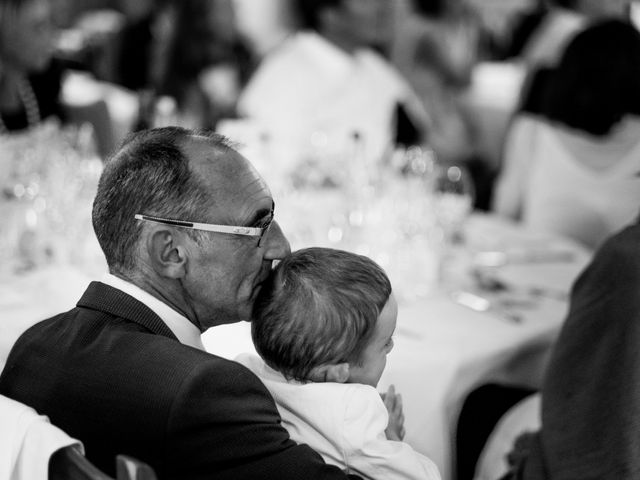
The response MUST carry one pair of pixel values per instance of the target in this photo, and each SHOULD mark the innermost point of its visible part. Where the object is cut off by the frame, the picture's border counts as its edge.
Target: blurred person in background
(561, 20)
(207, 62)
(438, 45)
(329, 77)
(573, 169)
(142, 32)
(558, 22)
(569, 168)
(264, 25)
(449, 34)
(30, 81)
(521, 27)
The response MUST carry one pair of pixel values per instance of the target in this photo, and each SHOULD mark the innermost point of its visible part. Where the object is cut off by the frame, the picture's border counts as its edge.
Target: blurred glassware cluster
(48, 178)
(405, 210)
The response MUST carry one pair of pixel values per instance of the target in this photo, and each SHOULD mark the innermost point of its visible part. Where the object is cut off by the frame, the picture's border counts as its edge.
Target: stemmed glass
(453, 198)
(407, 234)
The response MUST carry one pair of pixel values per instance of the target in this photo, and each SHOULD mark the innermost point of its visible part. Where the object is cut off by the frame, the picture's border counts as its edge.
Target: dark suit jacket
(110, 373)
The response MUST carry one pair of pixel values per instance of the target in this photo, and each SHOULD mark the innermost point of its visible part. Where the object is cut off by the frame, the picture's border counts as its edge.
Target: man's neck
(184, 329)
(164, 293)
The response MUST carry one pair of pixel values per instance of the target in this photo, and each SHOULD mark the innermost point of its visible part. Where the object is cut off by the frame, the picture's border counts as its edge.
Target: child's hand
(393, 402)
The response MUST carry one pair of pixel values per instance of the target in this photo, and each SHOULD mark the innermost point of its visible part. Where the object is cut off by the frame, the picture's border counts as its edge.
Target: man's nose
(276, 244)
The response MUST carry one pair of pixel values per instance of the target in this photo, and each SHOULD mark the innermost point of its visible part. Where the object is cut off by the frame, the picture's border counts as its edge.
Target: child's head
(326, 315)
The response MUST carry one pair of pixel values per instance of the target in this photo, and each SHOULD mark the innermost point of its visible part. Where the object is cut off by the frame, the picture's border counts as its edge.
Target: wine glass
(453, 200)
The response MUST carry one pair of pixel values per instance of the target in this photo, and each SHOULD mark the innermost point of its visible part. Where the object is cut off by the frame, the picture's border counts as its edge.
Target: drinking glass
(453, 198)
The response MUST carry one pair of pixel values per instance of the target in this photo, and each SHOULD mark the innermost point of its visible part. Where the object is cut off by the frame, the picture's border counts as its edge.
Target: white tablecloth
(33, 296)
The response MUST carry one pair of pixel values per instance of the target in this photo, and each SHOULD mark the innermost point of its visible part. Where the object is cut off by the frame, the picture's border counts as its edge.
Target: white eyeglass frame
(210, 227)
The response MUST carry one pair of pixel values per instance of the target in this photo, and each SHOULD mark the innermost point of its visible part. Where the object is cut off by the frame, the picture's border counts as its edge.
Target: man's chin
(244, 315)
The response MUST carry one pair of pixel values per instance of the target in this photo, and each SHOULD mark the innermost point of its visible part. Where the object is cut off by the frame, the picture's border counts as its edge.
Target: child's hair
(320, 306)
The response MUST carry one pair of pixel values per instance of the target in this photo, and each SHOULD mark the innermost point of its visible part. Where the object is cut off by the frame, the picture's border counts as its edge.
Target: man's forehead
(230, 176)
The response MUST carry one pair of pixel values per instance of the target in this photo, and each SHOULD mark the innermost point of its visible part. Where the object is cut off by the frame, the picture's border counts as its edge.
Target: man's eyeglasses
(210, 227)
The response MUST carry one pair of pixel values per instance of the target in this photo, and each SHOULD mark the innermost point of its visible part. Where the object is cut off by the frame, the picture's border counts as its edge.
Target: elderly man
(124, 371)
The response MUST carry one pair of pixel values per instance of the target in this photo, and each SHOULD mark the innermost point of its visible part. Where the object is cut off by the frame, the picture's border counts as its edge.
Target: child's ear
(337, 372)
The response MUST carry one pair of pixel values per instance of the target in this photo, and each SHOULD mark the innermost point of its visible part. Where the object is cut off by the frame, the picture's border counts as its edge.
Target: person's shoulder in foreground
(123, 371)
(591, 389)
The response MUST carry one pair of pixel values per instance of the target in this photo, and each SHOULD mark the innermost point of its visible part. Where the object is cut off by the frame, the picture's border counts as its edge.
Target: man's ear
(337, 372)
(167, 254)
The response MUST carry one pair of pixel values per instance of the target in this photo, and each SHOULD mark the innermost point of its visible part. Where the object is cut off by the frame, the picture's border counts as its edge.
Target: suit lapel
(105, 298)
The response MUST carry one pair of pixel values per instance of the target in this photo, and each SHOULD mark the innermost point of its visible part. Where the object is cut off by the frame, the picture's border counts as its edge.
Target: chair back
(69, 464)
(31, 447)
(129, 468)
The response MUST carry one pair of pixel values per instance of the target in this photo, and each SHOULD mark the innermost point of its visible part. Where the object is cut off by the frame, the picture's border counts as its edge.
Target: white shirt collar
(186, 332)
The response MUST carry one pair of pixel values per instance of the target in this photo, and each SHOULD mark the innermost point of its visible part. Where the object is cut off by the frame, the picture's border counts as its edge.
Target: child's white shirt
(343, 422)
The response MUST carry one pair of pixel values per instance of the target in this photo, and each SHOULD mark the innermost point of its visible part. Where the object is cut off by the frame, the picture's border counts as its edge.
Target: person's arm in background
(517, 156)
(111, 109)
(97, 114)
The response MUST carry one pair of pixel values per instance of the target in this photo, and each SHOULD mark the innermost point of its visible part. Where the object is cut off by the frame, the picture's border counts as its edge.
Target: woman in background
(574, 169)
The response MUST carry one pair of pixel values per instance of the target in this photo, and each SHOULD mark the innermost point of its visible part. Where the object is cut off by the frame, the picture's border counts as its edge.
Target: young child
(323, 325)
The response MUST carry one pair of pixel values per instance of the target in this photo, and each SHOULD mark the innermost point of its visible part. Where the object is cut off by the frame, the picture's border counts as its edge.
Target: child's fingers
(391, 391)
(397, 404)
(390, 398)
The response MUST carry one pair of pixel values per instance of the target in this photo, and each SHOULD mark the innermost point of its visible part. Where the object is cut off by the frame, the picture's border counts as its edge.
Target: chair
(31, 447)
(129, 468)
(482, 410)
(69, 464)
(522, 417)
